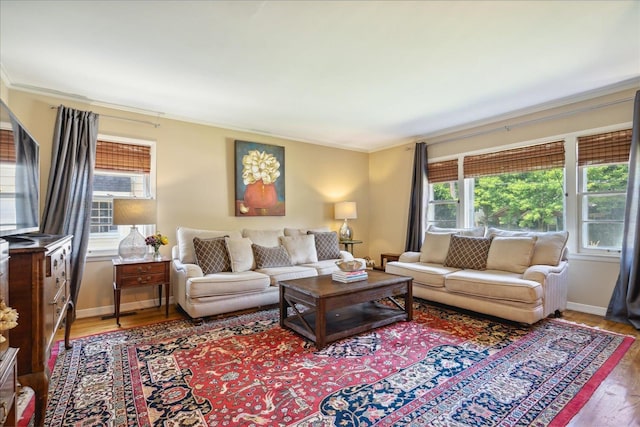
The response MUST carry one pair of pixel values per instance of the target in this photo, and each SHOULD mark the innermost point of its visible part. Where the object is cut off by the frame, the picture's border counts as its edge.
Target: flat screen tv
(19, 177)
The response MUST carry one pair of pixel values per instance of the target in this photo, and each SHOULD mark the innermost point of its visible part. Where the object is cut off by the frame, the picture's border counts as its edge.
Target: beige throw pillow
(302, 249)
(240, 254)
(435, 247)
(549, 246)
(511, 253)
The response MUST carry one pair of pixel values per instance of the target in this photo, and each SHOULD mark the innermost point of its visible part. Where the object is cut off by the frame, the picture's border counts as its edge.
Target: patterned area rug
(443, 368)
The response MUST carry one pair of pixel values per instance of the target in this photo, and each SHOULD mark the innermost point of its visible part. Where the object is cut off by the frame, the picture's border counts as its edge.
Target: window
(443, 194)
(518, 189)
(603, 171)
(123, 169)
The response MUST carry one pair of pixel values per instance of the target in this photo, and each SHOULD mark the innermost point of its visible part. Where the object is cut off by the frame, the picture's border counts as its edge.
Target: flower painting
(259, 170)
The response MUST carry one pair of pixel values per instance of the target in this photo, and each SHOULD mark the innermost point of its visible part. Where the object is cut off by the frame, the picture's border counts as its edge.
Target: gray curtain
(625, 302)
(417, 207)
(70, 189)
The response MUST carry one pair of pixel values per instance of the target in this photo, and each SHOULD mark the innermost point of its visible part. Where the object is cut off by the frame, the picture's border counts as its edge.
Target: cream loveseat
(215, 272)
(519, 276)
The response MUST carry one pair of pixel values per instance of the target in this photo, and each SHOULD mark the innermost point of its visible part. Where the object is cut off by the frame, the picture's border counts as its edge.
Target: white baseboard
(590, 309)
(129, 306)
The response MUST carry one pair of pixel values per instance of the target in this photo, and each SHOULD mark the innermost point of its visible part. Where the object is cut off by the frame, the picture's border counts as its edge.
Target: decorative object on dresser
(133, 212)
(346, 211)
(39, 276)
(131, 274)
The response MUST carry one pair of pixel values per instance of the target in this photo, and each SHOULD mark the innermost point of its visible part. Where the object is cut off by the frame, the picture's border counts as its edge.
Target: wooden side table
(387, 257)
(349, 243)
(133, 274)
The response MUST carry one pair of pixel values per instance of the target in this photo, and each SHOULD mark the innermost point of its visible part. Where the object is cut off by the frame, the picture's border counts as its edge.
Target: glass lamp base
(345, 231)
(133, 246)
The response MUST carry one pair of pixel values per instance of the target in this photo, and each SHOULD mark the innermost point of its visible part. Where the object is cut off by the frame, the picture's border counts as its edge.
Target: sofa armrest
(539, 273)
(410, 257)
(346, 256)
(188, 270)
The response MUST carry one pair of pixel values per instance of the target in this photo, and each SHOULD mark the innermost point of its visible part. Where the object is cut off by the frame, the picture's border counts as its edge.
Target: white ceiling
(358, 74)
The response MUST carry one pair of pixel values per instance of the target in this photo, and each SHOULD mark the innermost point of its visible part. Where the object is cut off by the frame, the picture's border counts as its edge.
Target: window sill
(604, 257)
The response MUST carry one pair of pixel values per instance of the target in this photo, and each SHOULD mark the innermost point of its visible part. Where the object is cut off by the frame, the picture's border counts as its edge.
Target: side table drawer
(143, 279)
(141, 269)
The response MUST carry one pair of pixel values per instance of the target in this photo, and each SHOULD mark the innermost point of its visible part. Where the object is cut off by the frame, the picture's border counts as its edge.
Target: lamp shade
(346, 210)
(134, 211)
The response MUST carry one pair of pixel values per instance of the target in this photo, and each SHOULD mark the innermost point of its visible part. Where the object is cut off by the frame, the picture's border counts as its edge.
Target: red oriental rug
(443, 368)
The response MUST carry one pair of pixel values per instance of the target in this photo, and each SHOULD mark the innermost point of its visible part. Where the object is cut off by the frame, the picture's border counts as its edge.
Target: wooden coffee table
(335, 310)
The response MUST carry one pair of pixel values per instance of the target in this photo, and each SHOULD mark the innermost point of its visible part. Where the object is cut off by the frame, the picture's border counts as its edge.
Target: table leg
(166, 305)
(283, 306)
(116, 297)
(321, 323)
(160, 292)
(408, 300)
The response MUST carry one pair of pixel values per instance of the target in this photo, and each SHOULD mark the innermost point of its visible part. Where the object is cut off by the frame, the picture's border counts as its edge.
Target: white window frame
(97, 253)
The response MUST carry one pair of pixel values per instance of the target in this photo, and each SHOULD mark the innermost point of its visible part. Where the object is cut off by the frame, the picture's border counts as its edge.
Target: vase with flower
(155, 241)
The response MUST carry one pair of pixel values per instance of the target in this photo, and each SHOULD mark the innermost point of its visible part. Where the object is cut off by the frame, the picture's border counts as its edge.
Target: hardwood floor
(616, 402)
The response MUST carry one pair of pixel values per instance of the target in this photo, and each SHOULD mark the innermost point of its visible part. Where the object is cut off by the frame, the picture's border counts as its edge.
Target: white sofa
(206, 283)
(519, 276)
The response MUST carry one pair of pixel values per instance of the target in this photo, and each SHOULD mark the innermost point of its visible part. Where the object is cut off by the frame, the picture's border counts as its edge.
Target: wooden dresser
(39, 271)
(8, 374)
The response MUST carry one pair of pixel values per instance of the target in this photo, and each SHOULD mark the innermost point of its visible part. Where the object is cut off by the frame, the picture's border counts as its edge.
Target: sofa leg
(557, 314)
(197, 322)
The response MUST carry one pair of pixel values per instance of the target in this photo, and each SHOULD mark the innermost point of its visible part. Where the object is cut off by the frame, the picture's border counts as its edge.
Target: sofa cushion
(302, 249)
(549, 246)
(302, 231)
(468, 252)
(185, 237)
(494, 284)
(511, 253)
(226, 283)
(470, 232)
(435, 247)
(277, 274)
(212, 255)
(240, 254)
(327, 244)
(276, 256)
(268, 238)
(432, 275)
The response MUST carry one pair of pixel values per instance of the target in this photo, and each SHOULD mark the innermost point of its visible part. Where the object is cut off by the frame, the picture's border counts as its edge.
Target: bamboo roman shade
(610, 147)
(118, 157)
(442, 171)
(7, 146)
(525, 159)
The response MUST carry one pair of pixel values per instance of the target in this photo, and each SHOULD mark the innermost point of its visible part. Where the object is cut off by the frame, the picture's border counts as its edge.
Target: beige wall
(195, 182)
(591, 280)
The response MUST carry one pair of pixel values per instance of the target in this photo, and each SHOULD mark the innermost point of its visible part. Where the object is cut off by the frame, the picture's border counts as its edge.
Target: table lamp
(346, 210)
(133, 212)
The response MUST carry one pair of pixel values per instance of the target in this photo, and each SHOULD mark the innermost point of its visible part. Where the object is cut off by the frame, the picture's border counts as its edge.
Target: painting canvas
(259, 170)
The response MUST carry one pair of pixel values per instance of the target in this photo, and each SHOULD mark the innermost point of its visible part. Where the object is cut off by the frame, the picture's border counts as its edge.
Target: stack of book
(349, 276)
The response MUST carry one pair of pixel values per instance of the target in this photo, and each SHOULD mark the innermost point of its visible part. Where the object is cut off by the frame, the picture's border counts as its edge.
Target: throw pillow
(302, 231)
(265, 257)
(549, 246)
(435, 247)
(212, 255)
(511, 253)
(327, 244)
(301, 249)
(471, 232)
(185, 241)
(240, 254)
(468, 252)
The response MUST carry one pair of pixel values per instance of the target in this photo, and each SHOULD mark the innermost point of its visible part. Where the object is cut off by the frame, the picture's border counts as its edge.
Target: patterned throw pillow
(212, 255)
(327, 244)
(468, 252)
(276, 256)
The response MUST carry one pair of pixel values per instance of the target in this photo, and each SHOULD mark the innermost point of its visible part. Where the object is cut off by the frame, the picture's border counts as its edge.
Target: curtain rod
(146, 122)
(529, 122)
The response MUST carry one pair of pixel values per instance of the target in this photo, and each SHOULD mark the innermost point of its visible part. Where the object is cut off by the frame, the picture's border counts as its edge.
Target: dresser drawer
(141, 269)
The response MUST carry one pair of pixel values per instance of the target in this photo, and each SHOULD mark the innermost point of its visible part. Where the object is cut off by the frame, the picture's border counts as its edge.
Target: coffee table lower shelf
(347, 321)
